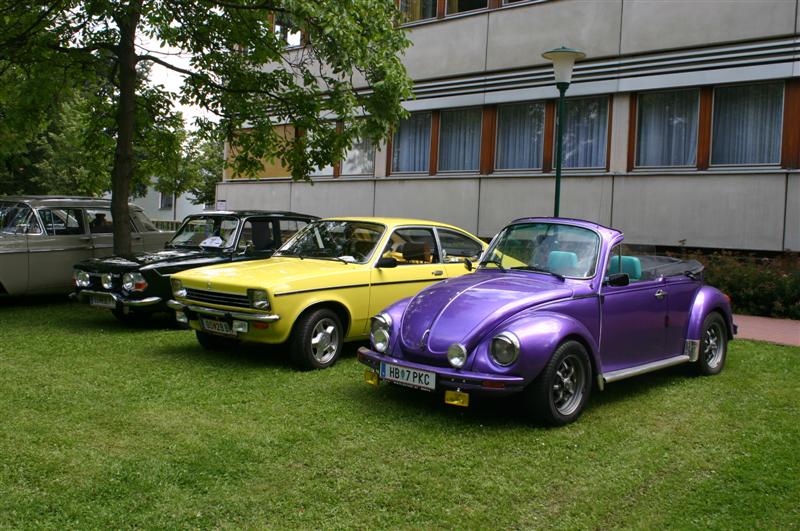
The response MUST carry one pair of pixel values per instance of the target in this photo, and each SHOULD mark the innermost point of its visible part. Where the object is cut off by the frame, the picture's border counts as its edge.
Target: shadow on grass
(502, 411)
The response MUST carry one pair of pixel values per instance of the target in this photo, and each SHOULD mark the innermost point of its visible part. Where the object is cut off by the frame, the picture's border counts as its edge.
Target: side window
(456, 247)
(17, 218)
(289, 227)
(144, 223)
(258, 233)
(62, 221)
(622, 260)
(412, 246)
(100, 221)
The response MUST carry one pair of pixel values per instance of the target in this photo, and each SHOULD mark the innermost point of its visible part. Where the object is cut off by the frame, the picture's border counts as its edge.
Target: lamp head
(563, 60)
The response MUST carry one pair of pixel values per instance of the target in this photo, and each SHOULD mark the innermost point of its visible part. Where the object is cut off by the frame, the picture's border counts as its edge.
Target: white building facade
(682, 123)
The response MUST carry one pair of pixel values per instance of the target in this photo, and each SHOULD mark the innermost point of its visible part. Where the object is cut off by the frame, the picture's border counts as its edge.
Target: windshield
(348, 241)
(17, 218)
(206, 231)
(561, 250)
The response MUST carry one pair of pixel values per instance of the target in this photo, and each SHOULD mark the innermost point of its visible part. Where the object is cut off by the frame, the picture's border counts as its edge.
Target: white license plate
(217, 327)
(102, 301)
(410, 377)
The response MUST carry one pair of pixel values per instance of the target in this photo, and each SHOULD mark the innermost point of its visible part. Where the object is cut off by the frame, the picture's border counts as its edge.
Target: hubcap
(568, 385)
(713, 349)
(324, 341)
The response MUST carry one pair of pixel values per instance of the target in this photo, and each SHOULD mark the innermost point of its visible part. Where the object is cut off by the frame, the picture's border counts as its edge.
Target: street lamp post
(563, 60)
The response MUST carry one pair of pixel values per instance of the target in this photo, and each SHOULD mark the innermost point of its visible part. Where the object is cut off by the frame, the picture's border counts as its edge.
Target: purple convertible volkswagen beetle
(554, 305)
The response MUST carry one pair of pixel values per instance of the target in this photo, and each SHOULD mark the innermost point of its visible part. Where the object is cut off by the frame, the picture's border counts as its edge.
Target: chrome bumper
(240, 316)
(135, 303)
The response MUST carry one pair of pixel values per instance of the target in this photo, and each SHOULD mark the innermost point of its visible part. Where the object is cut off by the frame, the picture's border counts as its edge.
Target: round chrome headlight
(177, 288)
(107, 281)
(134, 282)
(504, 348)
(381, 332)
(81, 278)
(258, 299)
(457, 355)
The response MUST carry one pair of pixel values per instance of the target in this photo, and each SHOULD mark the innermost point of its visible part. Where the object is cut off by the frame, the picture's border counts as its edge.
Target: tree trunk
(122, 173)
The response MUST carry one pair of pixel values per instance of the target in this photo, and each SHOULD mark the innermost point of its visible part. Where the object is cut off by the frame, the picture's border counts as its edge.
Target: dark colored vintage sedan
(136, 287)
(555, 305)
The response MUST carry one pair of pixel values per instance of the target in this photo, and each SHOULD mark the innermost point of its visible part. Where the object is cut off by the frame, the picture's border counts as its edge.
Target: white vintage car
(43, 237)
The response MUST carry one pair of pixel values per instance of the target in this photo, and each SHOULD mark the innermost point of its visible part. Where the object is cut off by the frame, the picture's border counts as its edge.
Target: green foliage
(109, 427)
(757, 286)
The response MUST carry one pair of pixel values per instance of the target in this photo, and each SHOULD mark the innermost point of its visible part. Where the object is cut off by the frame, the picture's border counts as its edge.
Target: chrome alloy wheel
(568, 385)
(713, 348)
(324, 341)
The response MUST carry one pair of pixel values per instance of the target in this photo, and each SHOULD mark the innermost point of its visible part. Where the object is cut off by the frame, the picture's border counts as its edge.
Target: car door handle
(438, 273)
(660, 294)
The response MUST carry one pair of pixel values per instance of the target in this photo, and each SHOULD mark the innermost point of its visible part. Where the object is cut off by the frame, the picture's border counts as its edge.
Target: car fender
(707, 300)
(539, 333)
(326, 297)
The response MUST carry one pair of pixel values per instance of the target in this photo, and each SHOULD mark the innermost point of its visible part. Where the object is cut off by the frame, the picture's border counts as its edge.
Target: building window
(287, 32)
(459, 6)
(414, 10)
(360, 159)
(747, 124)
(520, 136)
(166, 201)
(412, 144)
(460, 140)
(667, 128)
(585, 133)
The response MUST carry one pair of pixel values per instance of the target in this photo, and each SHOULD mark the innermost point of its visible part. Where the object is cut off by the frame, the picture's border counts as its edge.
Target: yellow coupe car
(321, 287)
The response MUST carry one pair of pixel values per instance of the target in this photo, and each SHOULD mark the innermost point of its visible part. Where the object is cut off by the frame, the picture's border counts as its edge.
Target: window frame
(437, 253)
(431, 139)
(759, 165)
(435, 170)
(634, 146)
(487, 7)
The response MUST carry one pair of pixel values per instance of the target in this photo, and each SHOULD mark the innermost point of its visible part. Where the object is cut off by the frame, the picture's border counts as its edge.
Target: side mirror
(386, 261)
(618, 279)
(468, 264)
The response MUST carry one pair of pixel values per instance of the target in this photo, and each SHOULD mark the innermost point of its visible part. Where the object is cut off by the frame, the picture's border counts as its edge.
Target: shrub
(767, 286)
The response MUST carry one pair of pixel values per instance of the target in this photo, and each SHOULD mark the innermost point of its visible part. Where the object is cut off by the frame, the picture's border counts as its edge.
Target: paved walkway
(783, 331)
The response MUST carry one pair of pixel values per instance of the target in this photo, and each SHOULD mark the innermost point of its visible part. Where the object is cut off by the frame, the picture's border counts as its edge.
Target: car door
(17, 221)
(456, 248)
(418, 265)
(63, 242)
(101, 228)
(145, 235)
(633, 321)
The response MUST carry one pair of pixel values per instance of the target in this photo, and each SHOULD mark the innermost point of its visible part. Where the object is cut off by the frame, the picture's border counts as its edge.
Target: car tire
(317, 340)
(560, 392)
(713, 345)
(212, 342)
(130, 318)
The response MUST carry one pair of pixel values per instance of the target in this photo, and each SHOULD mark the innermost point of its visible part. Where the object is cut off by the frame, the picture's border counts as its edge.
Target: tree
(241, 70)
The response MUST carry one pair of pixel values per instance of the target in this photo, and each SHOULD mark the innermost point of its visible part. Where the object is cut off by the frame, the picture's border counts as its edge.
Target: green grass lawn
(108, 426)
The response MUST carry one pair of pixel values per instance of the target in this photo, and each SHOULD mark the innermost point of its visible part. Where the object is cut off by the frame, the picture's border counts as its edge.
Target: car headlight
(457, 355)
(504, 348)
(107, 281)
(81, 278)
(177, 287)
(381, 332)
(258, 299)
(134, 282)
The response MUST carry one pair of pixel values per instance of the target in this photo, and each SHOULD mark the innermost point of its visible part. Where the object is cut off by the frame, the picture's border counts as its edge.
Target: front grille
(214, 297)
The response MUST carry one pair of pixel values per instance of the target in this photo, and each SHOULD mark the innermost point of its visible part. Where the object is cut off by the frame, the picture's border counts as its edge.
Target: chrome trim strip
(692, 349)
(622, 374)
(260, 317)
(59, 249)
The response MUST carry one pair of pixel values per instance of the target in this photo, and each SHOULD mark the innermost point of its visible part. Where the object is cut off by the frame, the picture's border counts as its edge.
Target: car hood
(464, 309)
(278, 275)
(165, 262)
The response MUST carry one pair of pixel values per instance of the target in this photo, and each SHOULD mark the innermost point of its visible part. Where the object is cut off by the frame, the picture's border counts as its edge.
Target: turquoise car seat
(630, 265)
(562, 262)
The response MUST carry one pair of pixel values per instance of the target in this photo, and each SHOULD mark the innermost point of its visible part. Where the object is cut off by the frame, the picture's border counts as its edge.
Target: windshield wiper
(495, 261)
(295, 255)
(540, 270)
